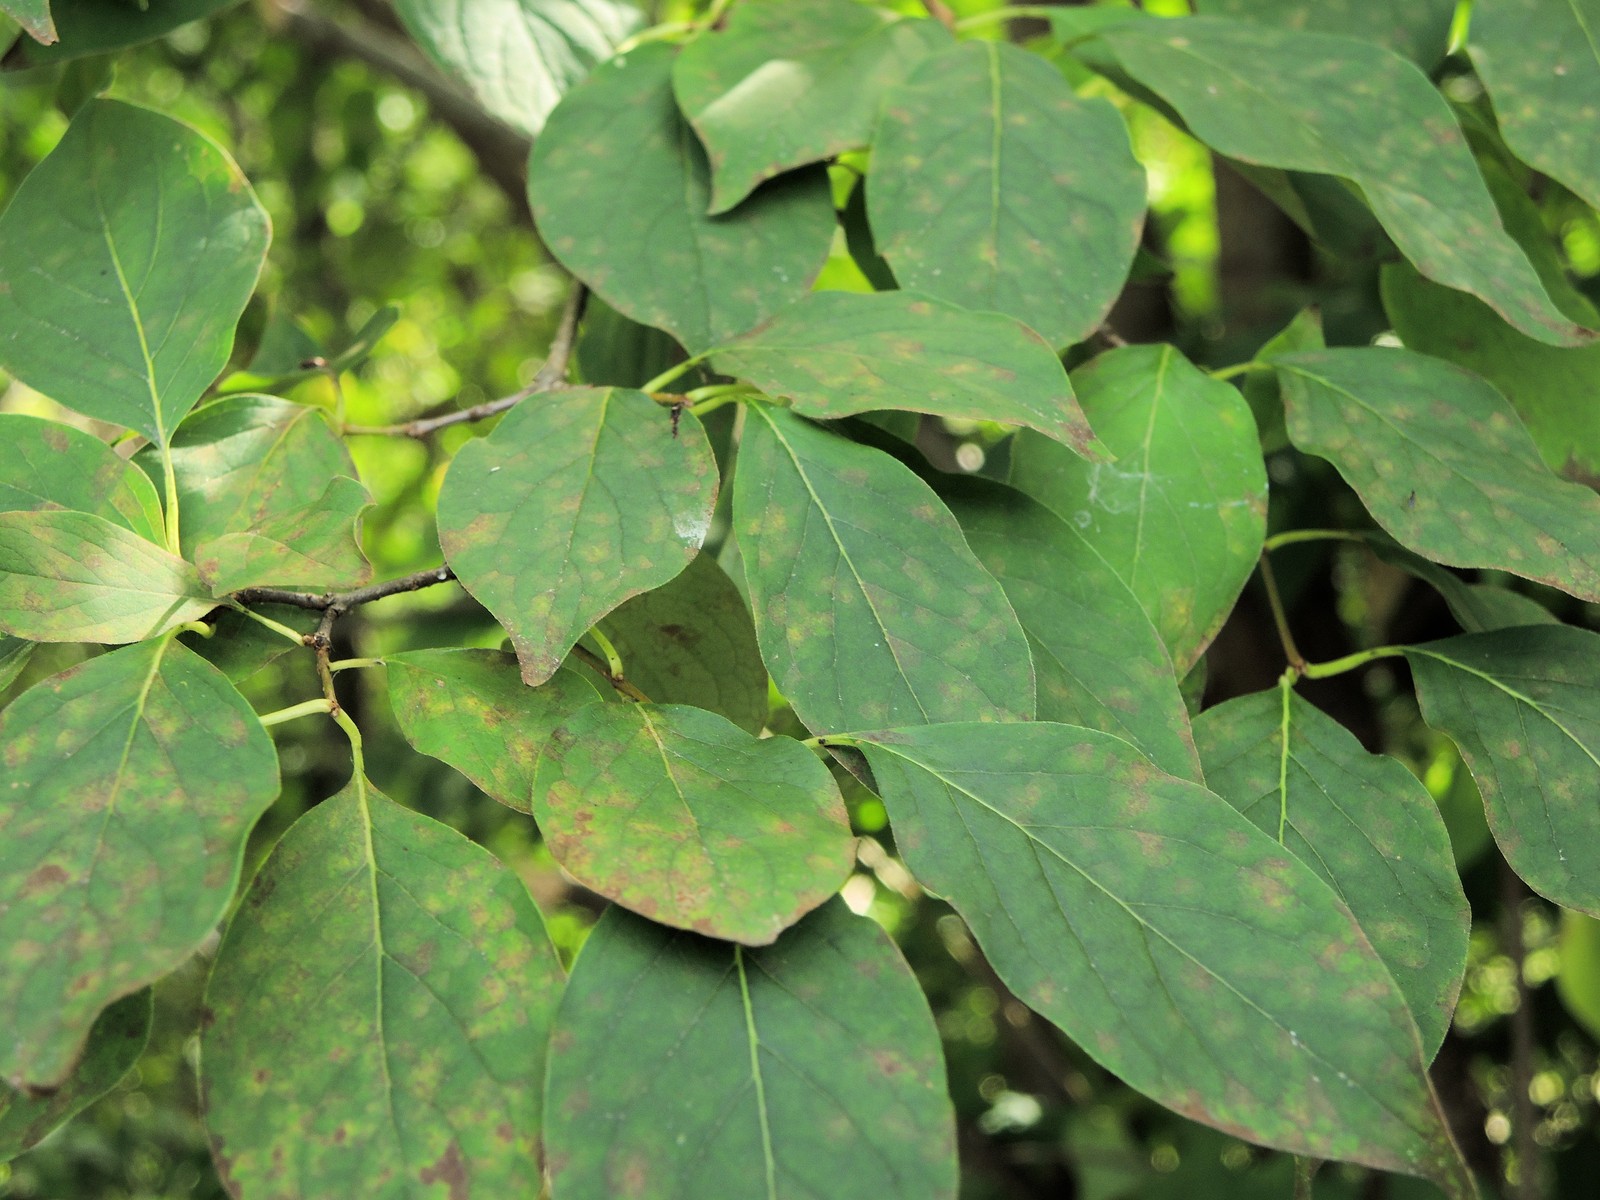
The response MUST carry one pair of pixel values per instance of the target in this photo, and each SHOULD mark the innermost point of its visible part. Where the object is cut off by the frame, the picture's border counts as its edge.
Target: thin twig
(940, 12)
(600, 668)
(1110, 336)
(1279, 617)
(321, 643)
(343, 602)
(551, 377)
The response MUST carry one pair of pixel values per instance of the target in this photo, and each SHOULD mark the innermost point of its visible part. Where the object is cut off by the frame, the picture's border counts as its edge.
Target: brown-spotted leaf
(684, 817)
(130, 784)
(74, 577)
(380, 1007)
(570, 507)
(45, 465)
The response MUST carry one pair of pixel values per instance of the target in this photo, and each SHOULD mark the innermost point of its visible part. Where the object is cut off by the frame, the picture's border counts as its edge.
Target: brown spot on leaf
(49, 875)
(449, 1170)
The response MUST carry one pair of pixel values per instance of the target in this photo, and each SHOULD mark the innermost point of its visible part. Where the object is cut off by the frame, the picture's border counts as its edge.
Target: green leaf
(1098, 659)
(834, 354)
(97, 26)
(1540, 61)
(115, 1043)
(519, 56)
(1338, 106)
(1169, 937)
(679, 814)
(470, 708)
(126, 257)
(239, 646)
(46, 465)
(1477, 607)
(549, 524)
(1523, 705)
(1423, 443)
(72, 577)
(995, 186)
(132, 781)
(268, 497)
(1261, 389)
(1578, 981)
(14, 655)
(380, 1008)
(1181, 513)
(1363, 823)
(1539, 380)
(691, 641)
(1419, 29)
(868, 604)
(34, 16)
(619, 186)
(790, 82)
(808, 1068)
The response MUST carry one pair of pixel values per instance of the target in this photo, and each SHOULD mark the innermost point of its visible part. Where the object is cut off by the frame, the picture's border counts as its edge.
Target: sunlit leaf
(1098, 660)
(789, 82)
(1181, 512)
(1363, 823)
(1169, 937)
(115, 1043)
(470, 708)
(996, 187)
(46, 465)
(1337, 106)
(519, 56)
(807, 1068)
(570, 507)
(131, 782)
(679, 814)
(126, 256)
(72, 577)
(834, 354)
(33, 16)
(1524, 707)
(1539, 380)
(1413, 436)
(691, 641)
(1540, 61)
(868, 604)
(379, 1011)
(1578, 981)
(620, 185)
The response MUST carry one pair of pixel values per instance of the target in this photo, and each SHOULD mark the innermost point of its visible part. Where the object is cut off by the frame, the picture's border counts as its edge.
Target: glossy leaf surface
(1337, 106)
(1181, 512)
(126, 257)
(680, 815)
(71, 577)
(1418, 29)
(895, 620)
(691, 641)
(519, 56)
(1409, 434)
(131, 784)
(570, 507)
(1363, 823)
(1098, 660)
(1540, 60)
(381, 1005)
(115, 1043)
(620, 187)
(470, 708)
(1539, 380)
(46, 465)
(1523, 705)
(996, 187)
(268, 496)
(788, 82)
(834, 354)
(778, 1067)
(1135, 910)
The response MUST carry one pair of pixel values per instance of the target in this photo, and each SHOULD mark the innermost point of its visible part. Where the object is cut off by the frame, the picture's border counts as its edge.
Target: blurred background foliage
(384, 189)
